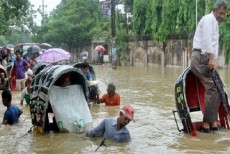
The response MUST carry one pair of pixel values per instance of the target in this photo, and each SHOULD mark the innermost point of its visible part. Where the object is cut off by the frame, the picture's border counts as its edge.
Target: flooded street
(151, 92)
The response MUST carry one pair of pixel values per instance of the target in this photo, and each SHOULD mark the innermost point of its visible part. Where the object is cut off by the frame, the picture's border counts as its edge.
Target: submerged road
(151, 92)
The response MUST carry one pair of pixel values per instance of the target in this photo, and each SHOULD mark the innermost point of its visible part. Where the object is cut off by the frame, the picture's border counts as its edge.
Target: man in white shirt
(205, 53)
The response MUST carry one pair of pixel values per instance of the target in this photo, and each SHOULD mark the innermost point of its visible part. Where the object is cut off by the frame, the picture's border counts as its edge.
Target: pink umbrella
(53, 55)
(100, 48)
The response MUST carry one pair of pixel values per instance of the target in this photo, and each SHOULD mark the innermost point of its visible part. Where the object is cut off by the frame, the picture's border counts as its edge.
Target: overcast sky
(49, 6)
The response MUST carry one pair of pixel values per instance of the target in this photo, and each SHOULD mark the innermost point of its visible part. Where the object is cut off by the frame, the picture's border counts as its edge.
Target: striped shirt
(107, 129)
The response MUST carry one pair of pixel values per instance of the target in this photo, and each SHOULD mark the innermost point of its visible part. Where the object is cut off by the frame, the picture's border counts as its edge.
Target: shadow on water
(151, 92)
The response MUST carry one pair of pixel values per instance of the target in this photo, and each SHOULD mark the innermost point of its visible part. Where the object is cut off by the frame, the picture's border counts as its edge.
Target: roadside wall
(148, 53)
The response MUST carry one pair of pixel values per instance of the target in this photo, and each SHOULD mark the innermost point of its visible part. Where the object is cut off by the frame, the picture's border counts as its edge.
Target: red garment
(111, 101)
(13, 80)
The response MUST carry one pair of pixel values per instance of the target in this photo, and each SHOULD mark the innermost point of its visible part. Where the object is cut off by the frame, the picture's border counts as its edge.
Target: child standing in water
(12, 112)
(25, 94)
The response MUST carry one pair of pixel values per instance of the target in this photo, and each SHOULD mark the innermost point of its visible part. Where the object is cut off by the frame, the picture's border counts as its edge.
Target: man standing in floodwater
(204, 56)
(115, 128)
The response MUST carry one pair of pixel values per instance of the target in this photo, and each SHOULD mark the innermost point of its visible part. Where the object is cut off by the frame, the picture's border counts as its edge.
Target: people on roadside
(114, 58)
(12, 56)
(25, 94)
(115, 128)
(12, 113)
(111, 98)
(20, 67)
(101, 57)
(204, 59)
(84, 55)
(5, 55)
(4, 82)
(95, 55)
(32, 60)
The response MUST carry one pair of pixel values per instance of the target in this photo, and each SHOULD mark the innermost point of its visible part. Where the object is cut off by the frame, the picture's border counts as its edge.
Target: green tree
(167, 23)
(75, 23)
(128, 4)
(11, 13)
(71, 24)
(225, 37)
(142, 17)
(224, 31)
(3, 41)
(15, 37)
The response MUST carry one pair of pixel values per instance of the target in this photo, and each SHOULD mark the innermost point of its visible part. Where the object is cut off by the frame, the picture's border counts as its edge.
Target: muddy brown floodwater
(151, 92)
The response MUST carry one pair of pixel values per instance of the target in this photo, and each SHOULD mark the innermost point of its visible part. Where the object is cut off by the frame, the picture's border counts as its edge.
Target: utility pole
(113, 27)
(43, 10)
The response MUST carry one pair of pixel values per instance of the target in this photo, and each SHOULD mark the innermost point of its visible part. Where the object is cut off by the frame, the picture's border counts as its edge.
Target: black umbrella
(10, 46)
(34, 49)
(45, 46)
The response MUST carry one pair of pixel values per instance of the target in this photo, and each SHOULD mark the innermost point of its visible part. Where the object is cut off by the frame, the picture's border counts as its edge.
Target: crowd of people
(205, 53)
(24, 76)
(20, 66)
(6, 55)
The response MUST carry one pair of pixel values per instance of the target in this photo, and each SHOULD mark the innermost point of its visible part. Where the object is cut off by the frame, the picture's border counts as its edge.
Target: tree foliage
(77, 22)
(142, 17)
(129, 4)
(14, 38)
(169, 18)
(11, 13)
(71, 24)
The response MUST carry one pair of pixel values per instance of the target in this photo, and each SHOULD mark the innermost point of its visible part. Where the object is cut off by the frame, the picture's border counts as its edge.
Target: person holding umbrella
(53, 56)
(100, 50)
